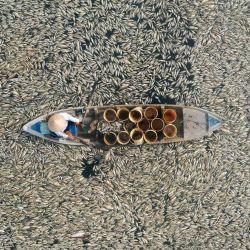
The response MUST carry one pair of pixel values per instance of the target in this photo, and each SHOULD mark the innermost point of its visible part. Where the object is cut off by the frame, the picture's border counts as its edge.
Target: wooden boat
(190, 123)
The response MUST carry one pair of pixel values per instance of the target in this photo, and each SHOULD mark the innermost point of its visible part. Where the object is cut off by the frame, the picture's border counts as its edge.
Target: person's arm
(70, 118)
(67, 135)
(62, 134)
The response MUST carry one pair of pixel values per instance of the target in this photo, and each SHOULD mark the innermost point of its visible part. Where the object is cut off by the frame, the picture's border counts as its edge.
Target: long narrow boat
(190, 123)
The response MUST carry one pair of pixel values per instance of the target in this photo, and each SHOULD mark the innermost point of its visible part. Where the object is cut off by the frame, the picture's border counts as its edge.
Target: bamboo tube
(157, 124)
(137, 136)
(109, 115)
(135, 115)
(169, 115)
(110, 138)
(122, 114)
(143, 124)
(151, 113)
(150, 136)
(170, 131)
(123, 138)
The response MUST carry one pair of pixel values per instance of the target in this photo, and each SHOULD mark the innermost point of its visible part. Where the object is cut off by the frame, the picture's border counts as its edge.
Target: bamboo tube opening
(169, 115)
(122, 114)
(135, 115)
(109, 115)
(144, 124)
(170, 131)
(150, 136)
(123, 137)
(157, 124)
(151, 113)
(110, 138)
(137, 136)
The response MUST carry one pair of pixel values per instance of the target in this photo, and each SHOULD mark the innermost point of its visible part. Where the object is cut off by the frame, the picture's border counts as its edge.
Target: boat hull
(191, 123)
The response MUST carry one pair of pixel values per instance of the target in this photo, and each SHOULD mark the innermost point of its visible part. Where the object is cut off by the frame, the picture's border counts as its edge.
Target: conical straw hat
(57, 123)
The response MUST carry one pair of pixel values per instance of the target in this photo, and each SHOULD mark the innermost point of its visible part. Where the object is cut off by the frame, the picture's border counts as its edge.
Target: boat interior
(161, 138)
(96, 114)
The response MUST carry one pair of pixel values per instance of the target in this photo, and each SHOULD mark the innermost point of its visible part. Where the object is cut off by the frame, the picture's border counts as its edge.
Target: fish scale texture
(59, 54)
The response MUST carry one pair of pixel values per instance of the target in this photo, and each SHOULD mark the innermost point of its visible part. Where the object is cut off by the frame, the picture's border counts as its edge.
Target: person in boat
(58, 123)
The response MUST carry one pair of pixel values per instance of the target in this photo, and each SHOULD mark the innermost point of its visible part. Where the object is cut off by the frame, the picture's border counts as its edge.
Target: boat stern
(32, 127)
(25, 127)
